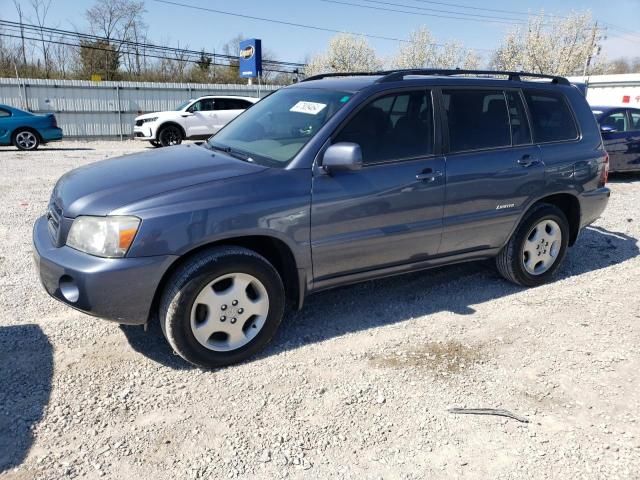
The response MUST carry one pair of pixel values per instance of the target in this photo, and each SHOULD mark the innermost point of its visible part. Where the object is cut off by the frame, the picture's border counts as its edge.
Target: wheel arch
(25, 127)
(570, 206)
(173, 123)
(275, 250)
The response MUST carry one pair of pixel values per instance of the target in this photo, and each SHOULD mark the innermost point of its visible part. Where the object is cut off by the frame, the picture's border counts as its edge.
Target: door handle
(528, 161)
(429, 175)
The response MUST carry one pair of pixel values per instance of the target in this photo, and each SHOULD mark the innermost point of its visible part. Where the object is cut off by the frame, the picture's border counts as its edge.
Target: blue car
(620, 128)
(25, 130)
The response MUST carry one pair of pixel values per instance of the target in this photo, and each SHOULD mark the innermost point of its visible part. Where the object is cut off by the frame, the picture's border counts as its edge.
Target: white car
(195, 119)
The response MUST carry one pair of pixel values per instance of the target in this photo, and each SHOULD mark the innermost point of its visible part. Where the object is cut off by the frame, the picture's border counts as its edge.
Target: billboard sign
(250, 58)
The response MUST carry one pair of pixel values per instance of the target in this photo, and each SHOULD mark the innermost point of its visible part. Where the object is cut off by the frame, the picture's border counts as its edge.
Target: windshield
(275, 129)
(182, 105)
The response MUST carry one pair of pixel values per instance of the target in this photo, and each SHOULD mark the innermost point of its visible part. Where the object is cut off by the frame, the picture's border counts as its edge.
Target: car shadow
(26, 370)
(624, 177)
(392, 300)
(153, 345)
(49, 149)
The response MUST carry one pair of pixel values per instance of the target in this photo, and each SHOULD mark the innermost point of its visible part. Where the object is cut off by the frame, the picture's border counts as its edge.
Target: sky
(203, 29)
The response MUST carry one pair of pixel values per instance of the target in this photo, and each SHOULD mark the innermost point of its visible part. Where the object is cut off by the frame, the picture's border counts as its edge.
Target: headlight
(103, 236)
(147, 120)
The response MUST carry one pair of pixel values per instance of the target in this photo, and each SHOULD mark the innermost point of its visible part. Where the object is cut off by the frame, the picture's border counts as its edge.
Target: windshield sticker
(345, 99)
(310, 108)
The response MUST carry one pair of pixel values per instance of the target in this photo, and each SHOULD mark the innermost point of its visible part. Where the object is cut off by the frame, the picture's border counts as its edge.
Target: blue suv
(338, 179)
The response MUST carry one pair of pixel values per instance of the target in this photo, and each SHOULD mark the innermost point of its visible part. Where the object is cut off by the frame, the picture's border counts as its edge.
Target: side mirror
(186, 114)
(343, 156)
(607, 129)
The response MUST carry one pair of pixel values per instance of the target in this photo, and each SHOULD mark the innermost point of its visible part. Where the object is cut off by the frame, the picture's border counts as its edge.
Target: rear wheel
(170, 135)
(537, 248)
(26, 139)
(222, 306)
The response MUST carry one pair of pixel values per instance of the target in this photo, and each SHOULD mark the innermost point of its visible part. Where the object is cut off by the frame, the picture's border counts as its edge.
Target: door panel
(379, 216)
(486, 193)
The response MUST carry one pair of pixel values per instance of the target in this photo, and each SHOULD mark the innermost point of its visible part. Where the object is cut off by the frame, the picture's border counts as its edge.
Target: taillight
(604, 174)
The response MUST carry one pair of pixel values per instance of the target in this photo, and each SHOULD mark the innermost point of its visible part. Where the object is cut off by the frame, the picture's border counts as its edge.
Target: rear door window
(477, 119)
(393, 127)
(551, 118)
(617, 121)
(520, 131)
(635, 119)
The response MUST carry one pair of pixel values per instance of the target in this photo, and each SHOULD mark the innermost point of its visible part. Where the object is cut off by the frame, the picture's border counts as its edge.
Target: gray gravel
(355, 386)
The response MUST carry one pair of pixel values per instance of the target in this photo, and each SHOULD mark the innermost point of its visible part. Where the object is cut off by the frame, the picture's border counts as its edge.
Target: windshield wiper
(230, 151)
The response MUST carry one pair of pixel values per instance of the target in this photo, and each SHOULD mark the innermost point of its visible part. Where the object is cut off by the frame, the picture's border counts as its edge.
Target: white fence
(107, 109)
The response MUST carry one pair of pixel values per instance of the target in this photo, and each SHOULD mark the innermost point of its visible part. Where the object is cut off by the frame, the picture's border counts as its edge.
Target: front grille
(139, 123)
(54, 218)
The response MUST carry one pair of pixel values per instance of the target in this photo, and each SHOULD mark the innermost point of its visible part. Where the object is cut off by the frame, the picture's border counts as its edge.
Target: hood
(101, 187)
(157, 114)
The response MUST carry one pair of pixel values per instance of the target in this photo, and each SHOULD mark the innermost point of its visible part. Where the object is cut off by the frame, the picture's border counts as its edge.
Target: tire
(26, 139)
(202, 309)
(535, 252)
(155, 143)
(170, 135)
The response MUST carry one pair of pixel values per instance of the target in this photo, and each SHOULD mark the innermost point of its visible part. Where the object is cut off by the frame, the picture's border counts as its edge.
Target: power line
(371, 7)
(121, 42)
(280, 22)
(437, 10)
(145, 55)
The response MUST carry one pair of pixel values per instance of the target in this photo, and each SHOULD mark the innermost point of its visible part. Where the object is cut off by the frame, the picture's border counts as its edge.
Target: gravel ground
(357, 385)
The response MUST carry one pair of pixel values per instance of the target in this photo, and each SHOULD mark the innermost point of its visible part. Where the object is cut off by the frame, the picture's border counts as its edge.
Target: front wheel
(222, 306)
(170, 135)
(26, 140)
(155, 143)
(536, 249)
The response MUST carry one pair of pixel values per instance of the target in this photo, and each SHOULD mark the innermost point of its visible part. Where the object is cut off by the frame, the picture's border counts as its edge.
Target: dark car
(620, 129)
(26, 130)
(331, 181)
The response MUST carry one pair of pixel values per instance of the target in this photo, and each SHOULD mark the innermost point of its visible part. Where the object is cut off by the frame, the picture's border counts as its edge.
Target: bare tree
(40, 10)
(119, 22)
(20, 19)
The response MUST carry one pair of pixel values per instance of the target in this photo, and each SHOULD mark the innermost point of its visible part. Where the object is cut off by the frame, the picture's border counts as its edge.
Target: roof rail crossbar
(339, 74)
(395, 75)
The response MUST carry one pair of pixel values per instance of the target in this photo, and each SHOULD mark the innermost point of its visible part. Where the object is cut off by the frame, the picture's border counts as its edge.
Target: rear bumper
(117, 289)
(50, 134)
(592, 204)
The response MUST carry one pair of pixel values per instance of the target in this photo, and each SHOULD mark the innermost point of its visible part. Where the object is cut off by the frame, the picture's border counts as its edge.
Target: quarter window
(4, 113)
(393, 127)
(551, 118)
(477, 119)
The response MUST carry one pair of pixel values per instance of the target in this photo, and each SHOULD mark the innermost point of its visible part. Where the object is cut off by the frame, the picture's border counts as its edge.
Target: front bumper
(592, 204)
(144, 132)
(117, 289)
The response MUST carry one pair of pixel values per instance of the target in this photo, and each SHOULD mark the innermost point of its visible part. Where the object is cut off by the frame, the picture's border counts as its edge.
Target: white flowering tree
(422, 51)
(551, 45)
(345, 53)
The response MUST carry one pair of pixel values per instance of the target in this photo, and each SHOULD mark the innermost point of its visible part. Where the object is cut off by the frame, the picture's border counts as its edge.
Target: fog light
(69, 289)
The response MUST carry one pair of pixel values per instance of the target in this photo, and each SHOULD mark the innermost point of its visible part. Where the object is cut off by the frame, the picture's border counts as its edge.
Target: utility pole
(594, 49)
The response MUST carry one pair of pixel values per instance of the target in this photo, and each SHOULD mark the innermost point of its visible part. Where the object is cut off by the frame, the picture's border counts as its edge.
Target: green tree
(99, 57)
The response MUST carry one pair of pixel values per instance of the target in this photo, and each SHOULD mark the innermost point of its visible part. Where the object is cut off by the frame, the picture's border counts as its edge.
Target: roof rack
(340, 74)
(395, 75)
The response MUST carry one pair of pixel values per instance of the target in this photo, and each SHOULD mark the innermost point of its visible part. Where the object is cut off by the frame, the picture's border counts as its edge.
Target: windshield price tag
(310, 108)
